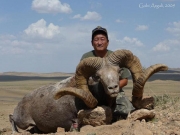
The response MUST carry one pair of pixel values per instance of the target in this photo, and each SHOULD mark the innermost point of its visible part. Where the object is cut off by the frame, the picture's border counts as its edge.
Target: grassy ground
(157, 87)
(13, 91)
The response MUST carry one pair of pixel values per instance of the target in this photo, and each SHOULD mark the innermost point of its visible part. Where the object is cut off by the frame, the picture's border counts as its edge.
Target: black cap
(99, 30)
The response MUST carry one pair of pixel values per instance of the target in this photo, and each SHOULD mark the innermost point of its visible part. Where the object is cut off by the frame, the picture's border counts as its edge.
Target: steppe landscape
(164, 86)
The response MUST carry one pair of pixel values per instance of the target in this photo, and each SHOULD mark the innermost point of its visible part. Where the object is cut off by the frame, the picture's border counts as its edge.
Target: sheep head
(109, 77)
(97, 65)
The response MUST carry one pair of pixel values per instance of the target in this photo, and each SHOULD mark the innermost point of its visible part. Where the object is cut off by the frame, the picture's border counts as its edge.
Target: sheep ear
(86, 96)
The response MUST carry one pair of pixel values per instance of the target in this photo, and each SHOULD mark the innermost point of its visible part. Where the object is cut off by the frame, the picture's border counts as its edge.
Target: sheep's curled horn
(122, 58)
(84, 70)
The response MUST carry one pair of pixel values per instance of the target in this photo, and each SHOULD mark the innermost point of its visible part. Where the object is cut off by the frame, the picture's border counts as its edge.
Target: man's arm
(125, 74)
(123, 82)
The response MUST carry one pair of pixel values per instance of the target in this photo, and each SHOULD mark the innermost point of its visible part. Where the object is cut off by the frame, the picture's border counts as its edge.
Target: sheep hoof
(143, 102)
(13, 124)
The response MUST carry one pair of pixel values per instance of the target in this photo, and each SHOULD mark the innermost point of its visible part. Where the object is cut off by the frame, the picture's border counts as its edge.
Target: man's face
(100, 42)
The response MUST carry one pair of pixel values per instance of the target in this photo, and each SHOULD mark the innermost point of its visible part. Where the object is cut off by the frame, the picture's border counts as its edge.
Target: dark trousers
(123, 106)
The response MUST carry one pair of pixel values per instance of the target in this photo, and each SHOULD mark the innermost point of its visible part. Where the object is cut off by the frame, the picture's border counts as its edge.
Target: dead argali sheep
(50, 107)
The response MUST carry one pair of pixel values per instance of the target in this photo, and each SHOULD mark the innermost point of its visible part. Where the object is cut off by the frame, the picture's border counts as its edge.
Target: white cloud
(161, 47)
(39, 29)
(40, 38)
(119, 21)
(131, 41)
(142, 27)
(33, 54)
(16, 45)
(94, 16)
(12, 50)
(50, 6)
(77, 16)
(175, 29)
(10, 45)
(167, 45)
(36, 53)
(5, 37)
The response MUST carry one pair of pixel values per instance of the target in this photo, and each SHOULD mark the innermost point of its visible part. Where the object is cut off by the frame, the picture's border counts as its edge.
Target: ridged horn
(125, 58)
(84, 70)
(140, 83)
(87, 97)
(154, 69)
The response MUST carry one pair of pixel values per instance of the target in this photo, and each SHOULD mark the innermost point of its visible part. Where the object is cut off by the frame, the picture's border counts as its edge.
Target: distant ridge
(174, 69)
(60, 74)
(33, 74)
(171, 74)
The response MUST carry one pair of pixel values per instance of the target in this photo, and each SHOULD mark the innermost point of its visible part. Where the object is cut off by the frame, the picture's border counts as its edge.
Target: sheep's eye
(96, 78)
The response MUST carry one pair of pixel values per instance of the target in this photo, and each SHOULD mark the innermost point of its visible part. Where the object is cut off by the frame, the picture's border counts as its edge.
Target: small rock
(101, 115)
(141, 114)
(59, 130)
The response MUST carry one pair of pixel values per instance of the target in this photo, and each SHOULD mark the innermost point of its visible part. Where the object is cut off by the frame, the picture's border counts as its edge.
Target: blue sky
(52, 35)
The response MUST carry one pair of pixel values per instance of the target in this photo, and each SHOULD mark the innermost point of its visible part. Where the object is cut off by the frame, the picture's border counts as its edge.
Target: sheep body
(40, 109)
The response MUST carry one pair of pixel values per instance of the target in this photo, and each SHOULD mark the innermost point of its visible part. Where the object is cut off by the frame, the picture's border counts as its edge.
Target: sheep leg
(13, 124)
(34, 130)
(75, 125)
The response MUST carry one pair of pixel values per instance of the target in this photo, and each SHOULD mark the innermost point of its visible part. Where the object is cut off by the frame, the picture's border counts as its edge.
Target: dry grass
(157, 88)
(165, 101)
(13, 91)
